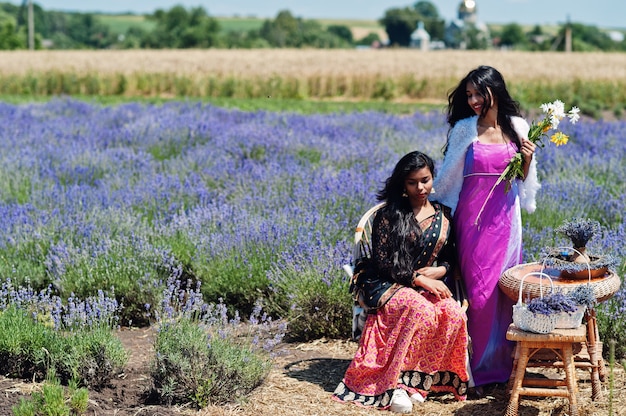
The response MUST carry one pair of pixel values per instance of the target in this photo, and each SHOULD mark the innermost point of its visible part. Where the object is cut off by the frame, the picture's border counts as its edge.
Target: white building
(420, 38)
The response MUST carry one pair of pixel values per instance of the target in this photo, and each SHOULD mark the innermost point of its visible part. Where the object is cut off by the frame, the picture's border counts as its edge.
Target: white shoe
(400, 402)
(417, 398)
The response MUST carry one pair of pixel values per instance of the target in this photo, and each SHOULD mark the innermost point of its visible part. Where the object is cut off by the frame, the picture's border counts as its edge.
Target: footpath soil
(301, 383)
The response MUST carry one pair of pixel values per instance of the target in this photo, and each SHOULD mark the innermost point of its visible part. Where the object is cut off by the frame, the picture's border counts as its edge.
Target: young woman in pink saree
(486, 131)
(415, 336)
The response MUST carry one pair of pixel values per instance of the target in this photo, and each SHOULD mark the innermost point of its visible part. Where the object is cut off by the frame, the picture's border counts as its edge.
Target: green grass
(120, 23)
(252, 104)
(240, 24)
(313, 94)
(312, 107)
(368, 24)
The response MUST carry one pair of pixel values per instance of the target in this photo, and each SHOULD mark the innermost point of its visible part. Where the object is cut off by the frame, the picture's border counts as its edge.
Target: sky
(601, 13)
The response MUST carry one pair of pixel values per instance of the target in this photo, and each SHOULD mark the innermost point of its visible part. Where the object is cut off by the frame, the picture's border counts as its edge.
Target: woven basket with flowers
(534, 316)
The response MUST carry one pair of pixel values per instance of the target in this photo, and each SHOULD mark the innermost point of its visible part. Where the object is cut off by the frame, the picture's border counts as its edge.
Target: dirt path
(301, 383)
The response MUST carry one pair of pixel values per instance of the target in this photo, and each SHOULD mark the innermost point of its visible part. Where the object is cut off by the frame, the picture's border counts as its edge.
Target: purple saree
(487, 247)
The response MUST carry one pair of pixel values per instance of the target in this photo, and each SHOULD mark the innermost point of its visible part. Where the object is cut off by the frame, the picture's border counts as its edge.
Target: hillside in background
(120, 23)
(359, 28)
(418, 26)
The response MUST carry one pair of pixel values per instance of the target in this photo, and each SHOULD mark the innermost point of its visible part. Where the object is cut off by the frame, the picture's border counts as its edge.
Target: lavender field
(253, 205)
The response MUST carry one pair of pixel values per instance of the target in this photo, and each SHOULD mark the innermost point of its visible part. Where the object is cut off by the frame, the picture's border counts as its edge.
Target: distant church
(420, 38)
(466, 28)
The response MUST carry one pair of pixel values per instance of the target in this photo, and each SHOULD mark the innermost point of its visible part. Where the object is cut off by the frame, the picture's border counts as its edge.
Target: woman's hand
(436, 287)
(527, 150)
(435, 273)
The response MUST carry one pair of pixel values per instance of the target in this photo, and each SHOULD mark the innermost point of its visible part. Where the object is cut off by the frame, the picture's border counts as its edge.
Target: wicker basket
(571, 320)
(530, 321)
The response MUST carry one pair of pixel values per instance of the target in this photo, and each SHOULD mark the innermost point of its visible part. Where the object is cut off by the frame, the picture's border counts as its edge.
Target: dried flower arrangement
(568, 309)
(579, 231)
(583, 295)
(561, 260)
(553, 303)
(575, 262)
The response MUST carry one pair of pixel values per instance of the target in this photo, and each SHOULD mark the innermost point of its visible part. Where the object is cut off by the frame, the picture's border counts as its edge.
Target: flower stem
(500, 179)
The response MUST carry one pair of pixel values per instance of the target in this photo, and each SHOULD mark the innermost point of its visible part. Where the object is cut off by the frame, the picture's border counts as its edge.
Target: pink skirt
(415, 342)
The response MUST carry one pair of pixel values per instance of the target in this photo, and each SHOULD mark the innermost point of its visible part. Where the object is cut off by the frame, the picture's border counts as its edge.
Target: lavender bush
(30, 350)
(40, 332)
(254, 205)
(204, 357)
(54, 399)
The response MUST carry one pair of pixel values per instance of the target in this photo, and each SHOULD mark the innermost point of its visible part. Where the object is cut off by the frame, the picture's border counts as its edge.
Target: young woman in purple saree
(486, 131)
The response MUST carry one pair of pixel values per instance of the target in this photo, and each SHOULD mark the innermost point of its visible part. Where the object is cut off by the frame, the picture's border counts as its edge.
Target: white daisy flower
(558, 109)
(554, 121)
(574, 115)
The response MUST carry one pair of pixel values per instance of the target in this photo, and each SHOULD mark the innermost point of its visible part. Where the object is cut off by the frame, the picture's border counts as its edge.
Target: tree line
(180, 27)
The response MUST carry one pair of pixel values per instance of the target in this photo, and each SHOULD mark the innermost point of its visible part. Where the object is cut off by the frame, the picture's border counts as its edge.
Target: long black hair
(398, 210)
(485, 79)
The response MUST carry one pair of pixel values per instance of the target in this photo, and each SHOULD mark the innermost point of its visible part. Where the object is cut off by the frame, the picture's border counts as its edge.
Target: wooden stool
(593, 360)
(561, 342)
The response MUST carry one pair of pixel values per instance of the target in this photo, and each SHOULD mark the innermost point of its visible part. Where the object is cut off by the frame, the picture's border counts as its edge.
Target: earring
(432, 190)
(404, 194)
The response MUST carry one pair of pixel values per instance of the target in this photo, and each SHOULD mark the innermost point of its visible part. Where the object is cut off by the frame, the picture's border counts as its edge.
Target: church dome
(467, 6)
(467, 11)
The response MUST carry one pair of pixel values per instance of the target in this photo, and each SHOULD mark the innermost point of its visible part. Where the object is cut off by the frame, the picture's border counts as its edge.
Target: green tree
(180, 28)
(133, 37)
(85, 30)
(587, 38)
(288, 31)
(475, 38)
(40, 18)
(369, 39)
(311, 34)
(433, 23)
(243, 39)
(341, 31)
(426, 10)
(281, 31)
(513, 36)
(399, 24)
(538, 40)
(9, 38)
(536, 31)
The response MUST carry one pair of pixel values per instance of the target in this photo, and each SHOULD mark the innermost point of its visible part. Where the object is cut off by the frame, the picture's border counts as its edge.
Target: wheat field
(298, 62)
(388, 74)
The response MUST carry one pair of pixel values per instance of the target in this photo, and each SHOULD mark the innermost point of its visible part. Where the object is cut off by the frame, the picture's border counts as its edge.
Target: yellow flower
(554, 113)
(559, 138)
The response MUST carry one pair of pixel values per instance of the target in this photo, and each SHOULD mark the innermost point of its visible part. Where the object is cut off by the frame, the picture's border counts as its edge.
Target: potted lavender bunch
(579, 231)
(576, 262)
